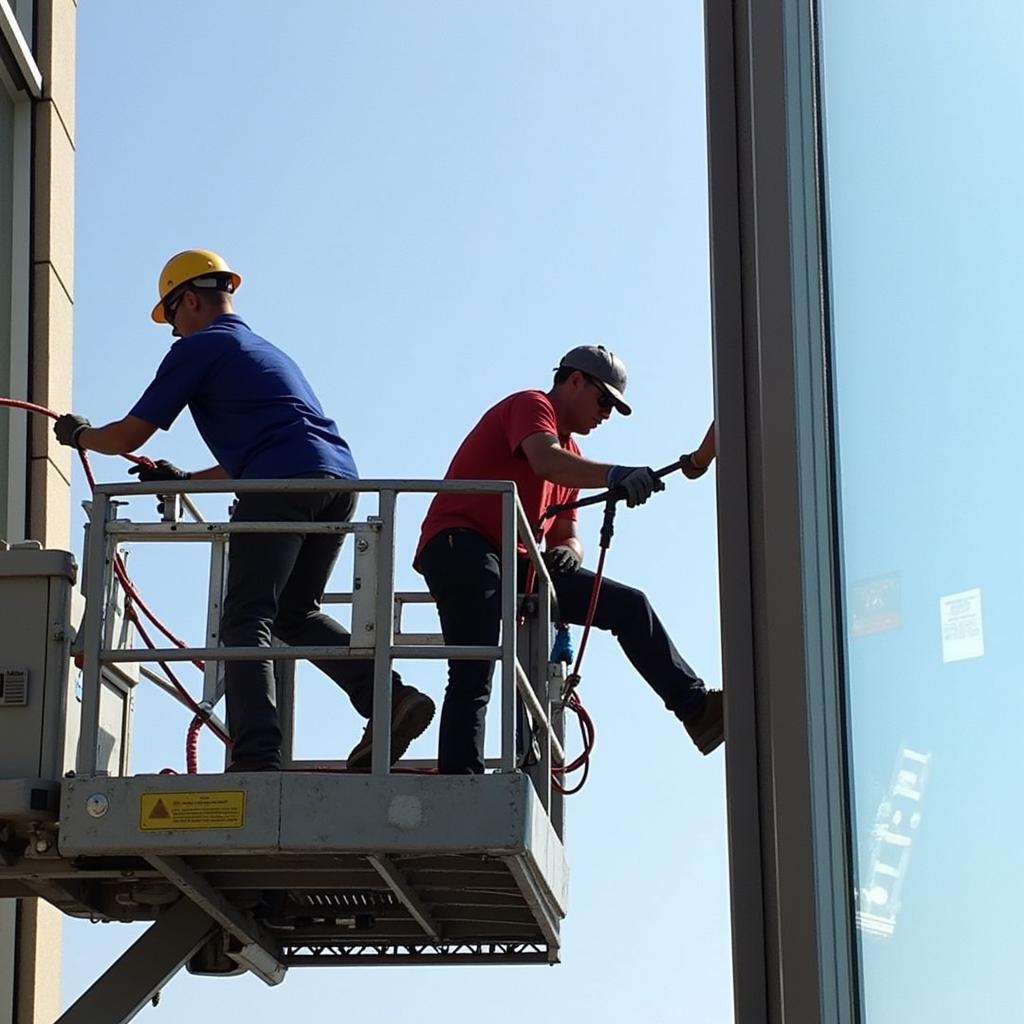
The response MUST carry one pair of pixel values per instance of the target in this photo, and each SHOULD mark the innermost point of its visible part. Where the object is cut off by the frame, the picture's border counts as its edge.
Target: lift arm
(144, 968)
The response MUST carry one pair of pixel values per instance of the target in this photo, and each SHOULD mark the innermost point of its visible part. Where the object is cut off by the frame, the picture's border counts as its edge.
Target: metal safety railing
(376, 632)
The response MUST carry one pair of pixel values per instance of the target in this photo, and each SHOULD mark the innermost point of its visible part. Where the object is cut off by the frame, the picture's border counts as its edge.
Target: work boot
(411, 713)
(707, 729)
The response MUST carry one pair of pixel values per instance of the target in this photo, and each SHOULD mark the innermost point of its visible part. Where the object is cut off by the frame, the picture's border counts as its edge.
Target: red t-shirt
(491, 451)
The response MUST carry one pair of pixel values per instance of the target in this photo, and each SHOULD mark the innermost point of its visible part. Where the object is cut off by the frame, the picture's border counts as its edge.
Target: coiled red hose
(121, 572)
(588, 731)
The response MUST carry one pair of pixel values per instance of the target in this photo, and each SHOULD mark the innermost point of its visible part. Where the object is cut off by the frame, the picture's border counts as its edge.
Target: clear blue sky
(430, 203)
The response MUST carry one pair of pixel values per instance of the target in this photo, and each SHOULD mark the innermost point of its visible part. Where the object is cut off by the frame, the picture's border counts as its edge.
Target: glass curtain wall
(922, 110)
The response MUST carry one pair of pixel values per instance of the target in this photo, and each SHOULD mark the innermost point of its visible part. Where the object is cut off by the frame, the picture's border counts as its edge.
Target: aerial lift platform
(260, 872)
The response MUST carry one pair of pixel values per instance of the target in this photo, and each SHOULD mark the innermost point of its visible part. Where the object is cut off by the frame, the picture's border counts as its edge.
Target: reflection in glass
(884, 870)
(923, 150)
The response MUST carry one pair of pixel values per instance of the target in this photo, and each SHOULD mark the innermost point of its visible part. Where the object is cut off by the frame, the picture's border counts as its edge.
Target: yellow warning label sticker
(215, 810)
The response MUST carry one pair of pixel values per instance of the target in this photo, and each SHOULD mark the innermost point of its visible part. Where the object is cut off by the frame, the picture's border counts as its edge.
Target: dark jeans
(275, 584)
(463, 573)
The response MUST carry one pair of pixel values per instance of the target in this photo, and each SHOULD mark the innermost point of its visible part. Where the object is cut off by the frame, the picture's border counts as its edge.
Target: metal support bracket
(387, 870)
(259, 952)
(557, 676)
(364, 588)
(145, 967)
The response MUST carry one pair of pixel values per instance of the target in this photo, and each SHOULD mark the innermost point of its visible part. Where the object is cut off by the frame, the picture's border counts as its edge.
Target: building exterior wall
(37, 211)
(865, 223)
(789, 873)
(52, 268)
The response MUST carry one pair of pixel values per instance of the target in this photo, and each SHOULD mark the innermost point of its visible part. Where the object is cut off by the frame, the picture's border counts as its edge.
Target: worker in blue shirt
(261, 420)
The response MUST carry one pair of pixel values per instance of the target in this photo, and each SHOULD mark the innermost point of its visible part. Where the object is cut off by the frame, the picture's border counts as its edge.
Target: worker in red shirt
(528, 438)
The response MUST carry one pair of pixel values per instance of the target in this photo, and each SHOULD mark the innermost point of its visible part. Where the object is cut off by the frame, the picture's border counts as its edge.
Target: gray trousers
(274, 588)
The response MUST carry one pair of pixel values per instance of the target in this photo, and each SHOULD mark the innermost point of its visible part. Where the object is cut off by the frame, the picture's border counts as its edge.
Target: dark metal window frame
(794, 954)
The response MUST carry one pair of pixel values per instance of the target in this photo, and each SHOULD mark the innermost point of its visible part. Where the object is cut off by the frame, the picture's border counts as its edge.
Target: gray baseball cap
(597, 362)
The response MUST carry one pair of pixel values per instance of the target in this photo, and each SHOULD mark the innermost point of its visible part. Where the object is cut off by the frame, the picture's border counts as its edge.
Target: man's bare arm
(695, 464)
(550, 461)
(705, 454)
(117, 438)
(563, 533)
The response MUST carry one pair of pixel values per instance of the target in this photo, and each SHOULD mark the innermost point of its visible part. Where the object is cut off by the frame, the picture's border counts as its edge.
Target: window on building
(923, 152)
(15, 198)
(24, 11)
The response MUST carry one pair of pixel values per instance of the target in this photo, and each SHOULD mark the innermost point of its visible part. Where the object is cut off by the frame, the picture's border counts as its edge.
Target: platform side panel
(171, 814)
(548, 855)
(404, 813)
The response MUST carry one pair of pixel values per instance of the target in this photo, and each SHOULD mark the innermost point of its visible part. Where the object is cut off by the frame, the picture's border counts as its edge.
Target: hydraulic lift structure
(261, 872)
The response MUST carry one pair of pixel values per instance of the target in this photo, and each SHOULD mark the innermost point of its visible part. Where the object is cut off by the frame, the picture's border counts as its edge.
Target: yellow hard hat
(186, 266)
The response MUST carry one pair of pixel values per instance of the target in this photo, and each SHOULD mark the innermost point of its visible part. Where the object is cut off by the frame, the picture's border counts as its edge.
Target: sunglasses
(604, 400)
(171, 307)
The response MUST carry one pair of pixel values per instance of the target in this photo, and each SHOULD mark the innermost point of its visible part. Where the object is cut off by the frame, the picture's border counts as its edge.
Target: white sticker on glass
(963, 634)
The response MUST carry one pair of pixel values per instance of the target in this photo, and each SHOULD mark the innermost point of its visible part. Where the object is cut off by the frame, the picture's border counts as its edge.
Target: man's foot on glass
(707, 729)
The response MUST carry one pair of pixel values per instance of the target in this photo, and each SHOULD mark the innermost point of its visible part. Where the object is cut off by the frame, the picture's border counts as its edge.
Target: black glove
(66, 428)
(562, 560)
(689, 468)
(160, 470)
(638, 483)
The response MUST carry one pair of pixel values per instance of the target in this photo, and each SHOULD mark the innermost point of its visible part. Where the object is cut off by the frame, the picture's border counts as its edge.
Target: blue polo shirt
(251, 403)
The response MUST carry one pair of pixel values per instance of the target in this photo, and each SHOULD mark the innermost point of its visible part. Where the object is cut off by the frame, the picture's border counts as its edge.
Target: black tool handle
(612, 494)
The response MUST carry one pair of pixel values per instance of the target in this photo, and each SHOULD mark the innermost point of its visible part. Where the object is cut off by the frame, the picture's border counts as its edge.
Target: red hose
(192, 738)
(122, 575)
(192, 745)
(175, 682)
(573, 702)
(572, 699)
(591, 611)
(582, 760)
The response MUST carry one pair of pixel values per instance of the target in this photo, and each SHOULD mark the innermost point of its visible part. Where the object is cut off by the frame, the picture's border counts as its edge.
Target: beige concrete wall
(39, 937)
(53, 267)
(49, 499)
